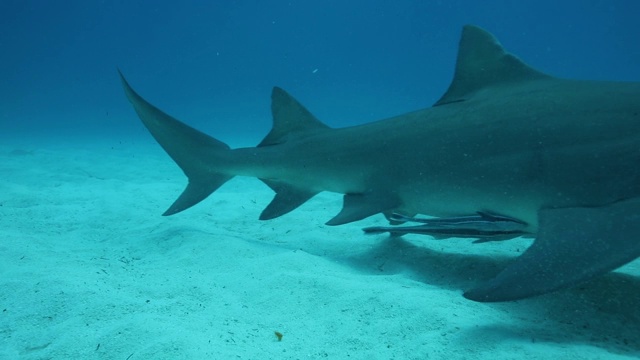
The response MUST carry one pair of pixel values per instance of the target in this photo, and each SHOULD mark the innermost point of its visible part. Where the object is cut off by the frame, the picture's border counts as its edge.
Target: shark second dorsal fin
(483, 62)
(289, 118)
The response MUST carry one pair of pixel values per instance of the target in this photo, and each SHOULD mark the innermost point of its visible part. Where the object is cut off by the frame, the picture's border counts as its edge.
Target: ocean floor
(89, 269)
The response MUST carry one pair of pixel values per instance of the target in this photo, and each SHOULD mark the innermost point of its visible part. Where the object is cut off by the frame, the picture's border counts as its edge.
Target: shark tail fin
(194, 151)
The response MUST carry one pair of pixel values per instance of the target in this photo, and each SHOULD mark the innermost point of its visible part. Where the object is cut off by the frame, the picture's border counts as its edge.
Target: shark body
(559, 156)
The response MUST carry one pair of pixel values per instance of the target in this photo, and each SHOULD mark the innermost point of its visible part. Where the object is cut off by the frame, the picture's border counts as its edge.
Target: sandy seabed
(90, 270)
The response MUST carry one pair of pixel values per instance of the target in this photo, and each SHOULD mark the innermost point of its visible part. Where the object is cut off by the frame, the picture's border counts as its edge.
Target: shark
(507, 151)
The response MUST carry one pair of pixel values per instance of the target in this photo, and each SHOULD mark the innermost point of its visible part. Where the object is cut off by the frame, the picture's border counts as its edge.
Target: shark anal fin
(573, 245)
(359, 206)
(287, 199)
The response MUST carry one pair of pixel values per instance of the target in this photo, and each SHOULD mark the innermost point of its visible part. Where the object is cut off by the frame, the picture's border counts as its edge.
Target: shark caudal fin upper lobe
(196, 153)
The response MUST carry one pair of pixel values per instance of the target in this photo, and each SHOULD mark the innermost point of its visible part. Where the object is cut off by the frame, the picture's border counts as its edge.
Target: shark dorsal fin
(290, 118)
(482, 62)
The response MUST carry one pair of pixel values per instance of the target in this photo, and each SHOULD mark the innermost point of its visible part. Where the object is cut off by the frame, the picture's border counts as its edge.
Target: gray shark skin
(560, 155)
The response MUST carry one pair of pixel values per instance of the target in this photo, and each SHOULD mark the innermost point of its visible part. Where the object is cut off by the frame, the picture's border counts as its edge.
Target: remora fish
(561, 156)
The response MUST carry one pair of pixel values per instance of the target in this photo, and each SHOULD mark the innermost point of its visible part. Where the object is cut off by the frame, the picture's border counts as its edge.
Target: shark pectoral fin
(359, 206)
(287, 199)
(573, 245)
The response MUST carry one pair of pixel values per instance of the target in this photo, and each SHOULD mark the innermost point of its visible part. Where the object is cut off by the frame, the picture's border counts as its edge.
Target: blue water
(213, 63)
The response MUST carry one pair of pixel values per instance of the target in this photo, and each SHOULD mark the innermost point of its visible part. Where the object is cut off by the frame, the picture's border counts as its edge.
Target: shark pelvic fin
(287, 199)
(483, 62)
(573, 245)
(359, 206)
(290, 118)
(188, 147)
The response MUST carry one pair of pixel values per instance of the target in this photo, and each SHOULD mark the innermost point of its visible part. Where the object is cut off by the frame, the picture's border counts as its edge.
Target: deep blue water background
(212, 63)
